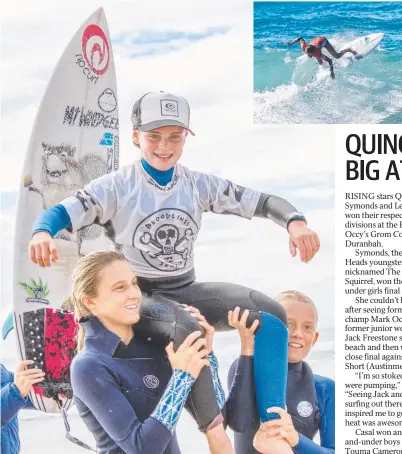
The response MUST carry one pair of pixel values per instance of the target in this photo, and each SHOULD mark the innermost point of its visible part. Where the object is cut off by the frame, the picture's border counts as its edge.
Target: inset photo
(327, 62)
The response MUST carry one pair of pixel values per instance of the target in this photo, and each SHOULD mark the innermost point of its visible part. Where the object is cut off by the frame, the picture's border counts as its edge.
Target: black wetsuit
(310, 401)
(162, 319)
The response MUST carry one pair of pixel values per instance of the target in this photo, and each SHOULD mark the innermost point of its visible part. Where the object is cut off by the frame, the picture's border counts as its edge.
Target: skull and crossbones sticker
(166, 239)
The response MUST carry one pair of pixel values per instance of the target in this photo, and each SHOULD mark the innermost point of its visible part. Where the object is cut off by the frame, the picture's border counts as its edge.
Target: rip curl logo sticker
(159, 310)
(304, 409)
(96, 49)
(107, 101)
(169, 107)
(150, 381)
(37, 291)
(166, 239)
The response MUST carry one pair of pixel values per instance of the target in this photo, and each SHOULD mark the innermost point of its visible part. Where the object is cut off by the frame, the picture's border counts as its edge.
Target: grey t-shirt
(155, 225)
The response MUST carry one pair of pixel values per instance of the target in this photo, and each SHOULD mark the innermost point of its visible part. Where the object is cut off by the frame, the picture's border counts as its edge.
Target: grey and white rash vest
(156, 226)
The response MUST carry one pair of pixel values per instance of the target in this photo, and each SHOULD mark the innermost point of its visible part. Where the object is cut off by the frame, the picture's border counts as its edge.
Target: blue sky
(149, 42)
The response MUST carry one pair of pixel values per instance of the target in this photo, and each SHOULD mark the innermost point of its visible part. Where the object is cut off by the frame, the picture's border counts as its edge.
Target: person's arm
(96, 203)
(326, 402)
(214, 367)
(14, 394)
(98, 389)
(52, 220)
(241, 405)
(307, 445)
(300, 38)
(278, 210)
(285, 214)
(29, 405)
(325, 388)
(224, 197)
(11, 402)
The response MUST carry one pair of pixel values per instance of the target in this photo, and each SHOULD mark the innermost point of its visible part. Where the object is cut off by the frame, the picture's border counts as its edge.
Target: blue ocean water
(367, 91)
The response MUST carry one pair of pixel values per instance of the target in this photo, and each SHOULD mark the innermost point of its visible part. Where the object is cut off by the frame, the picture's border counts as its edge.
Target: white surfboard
(307, 69)
(74, 140)
(365, 44)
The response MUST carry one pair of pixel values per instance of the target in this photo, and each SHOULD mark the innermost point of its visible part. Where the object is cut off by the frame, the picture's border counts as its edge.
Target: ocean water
(367, 91)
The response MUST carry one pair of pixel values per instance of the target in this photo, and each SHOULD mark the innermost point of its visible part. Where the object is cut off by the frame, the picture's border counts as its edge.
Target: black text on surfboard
(82, 117)
(85, 69)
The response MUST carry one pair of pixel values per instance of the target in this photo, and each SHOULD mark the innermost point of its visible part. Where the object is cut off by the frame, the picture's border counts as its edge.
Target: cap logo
(169, 107)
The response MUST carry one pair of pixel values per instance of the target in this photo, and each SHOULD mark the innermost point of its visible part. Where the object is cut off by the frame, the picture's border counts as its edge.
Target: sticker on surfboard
(75, 139)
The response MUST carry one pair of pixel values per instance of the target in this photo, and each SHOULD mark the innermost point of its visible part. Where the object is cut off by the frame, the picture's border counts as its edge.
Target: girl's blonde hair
(86, 282)
(294, 295)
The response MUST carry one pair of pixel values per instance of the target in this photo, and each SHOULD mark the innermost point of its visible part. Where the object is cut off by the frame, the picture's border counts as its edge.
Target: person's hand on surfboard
(24, 378)
(190, 356)
(42, 249)
(303, 238)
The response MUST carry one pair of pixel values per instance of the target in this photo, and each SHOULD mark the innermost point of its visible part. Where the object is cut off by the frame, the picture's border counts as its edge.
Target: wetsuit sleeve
(11, 401)
(97, 203)
(29, 405)
(214, 366)
(277, 209)
(52, 220)
(98, 389)
(224, 197)
(241, 406)
(306, 445)
(168, 410)
(326, 402)
(325, 388)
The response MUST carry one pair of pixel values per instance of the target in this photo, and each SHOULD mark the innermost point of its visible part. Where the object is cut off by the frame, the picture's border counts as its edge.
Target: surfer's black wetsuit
(162, 318)
(310, 400)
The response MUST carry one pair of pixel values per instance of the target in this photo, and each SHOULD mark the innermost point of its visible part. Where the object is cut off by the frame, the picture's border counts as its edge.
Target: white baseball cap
(155, 110)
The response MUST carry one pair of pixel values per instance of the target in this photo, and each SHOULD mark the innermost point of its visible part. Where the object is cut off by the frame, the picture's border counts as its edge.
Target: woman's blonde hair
(86, 282)
(294, 295)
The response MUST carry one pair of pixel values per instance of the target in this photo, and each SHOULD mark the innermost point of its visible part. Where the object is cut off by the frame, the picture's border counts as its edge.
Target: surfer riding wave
(314, 47)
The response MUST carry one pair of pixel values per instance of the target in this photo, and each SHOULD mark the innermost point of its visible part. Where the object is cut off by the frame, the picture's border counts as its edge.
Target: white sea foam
(363, 92)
